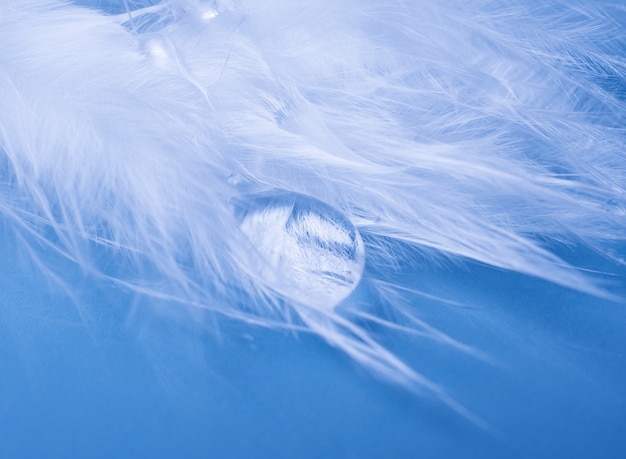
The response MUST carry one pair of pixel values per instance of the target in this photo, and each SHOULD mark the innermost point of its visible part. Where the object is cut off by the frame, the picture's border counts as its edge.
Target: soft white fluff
(469, 129)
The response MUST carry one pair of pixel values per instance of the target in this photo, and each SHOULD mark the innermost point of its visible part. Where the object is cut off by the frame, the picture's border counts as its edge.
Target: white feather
(486, 131)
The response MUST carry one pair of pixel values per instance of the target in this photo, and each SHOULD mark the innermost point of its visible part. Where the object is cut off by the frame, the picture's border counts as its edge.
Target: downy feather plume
(256, 159)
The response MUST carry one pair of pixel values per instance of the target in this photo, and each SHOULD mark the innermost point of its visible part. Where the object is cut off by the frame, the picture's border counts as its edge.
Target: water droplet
(310, 252)
(209, 14)
(234, 179)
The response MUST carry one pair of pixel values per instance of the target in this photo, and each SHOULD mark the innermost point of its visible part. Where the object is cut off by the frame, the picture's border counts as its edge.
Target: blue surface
(98, 381)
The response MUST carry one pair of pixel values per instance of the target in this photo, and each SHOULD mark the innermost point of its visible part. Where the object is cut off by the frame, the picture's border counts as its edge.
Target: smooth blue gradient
(96, 381)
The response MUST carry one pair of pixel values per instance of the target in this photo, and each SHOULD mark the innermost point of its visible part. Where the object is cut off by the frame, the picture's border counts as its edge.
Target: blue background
(118, 377)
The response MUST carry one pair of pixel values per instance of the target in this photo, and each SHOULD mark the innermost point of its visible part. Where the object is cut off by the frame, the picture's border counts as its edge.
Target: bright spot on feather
(158, 54)
(209, 14)
(309, 251)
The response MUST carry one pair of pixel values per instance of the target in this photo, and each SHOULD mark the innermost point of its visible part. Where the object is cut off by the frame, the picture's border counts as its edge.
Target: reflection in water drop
(310, 251)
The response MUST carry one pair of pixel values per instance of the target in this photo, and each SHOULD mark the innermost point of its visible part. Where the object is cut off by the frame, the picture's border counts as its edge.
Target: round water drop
(308, 250)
